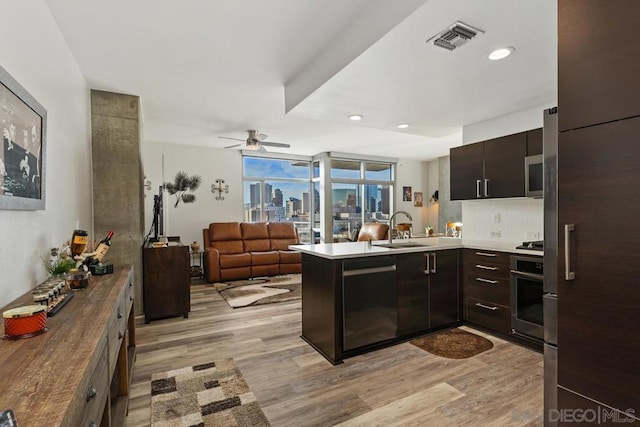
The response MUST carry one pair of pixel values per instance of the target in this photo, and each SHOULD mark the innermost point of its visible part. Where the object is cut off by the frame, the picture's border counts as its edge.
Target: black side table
(196, 263)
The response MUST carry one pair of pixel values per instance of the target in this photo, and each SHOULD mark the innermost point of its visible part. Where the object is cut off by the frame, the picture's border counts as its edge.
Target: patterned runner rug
(213, 394)
(453, 344)
(264, 290)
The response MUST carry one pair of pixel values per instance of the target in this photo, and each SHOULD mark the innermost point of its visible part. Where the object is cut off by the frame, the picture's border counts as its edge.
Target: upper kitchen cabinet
(534, 142)
(489, 169)
(598, 66)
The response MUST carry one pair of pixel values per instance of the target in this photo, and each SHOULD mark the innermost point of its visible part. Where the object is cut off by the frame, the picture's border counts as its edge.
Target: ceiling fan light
(402, 125)
(355, 117)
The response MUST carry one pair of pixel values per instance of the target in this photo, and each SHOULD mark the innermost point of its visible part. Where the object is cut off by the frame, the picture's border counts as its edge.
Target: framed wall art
(417, 199)
(23, 122)
(406, 194)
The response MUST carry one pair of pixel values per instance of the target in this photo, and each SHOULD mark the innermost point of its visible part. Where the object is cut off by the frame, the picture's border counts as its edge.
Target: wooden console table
(78, 373)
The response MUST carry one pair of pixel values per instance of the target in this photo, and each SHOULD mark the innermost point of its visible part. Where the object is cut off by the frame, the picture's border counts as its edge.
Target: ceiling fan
(255, 141)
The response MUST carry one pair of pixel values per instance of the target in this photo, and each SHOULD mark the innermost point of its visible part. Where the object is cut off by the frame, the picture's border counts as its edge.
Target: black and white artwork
(23, 127)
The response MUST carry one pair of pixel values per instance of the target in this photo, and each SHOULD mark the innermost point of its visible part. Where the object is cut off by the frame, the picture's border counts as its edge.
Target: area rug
(213, 394)
(243, 293)
(453, 344)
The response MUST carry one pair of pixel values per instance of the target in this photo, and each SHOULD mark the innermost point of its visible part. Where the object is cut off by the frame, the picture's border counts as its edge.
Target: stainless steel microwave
(533, 176)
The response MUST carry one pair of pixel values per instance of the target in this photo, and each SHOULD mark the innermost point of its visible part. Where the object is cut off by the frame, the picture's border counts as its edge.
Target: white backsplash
(508, 220)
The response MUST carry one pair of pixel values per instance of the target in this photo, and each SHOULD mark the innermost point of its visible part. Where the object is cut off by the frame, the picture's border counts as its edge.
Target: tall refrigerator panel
(550, 297)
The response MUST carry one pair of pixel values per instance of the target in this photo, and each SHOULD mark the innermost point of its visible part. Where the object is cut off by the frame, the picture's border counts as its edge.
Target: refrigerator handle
(568, 274)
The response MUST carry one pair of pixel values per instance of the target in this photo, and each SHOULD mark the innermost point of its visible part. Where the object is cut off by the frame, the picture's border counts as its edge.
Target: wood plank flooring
(295, 386)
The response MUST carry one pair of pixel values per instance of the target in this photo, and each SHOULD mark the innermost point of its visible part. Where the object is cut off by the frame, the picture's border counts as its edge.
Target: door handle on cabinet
(428, 261)
(486, 307)
(484, 267)
(480, 279)
(433, 270)
(485, 254)
(568, 274)
(486, 187)
(478, 188)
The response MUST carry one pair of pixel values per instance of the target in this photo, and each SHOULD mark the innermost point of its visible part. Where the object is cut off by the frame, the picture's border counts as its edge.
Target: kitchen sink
(400, 245)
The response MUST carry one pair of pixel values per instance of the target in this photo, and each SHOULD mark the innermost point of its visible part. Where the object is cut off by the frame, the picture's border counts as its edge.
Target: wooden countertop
(43, 376)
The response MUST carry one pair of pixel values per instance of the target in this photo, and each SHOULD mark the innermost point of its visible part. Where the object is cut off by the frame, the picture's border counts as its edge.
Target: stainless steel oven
(534, 176)
(526, 281)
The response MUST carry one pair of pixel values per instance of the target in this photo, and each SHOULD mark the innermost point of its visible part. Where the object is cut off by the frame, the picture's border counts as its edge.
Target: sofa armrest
(212, 265)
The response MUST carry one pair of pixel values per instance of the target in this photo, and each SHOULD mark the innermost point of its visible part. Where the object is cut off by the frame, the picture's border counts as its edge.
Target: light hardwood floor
(295, 386)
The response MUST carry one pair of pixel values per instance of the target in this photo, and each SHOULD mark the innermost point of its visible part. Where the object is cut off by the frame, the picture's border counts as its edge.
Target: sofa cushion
(265, 258)
(226, 237)
(255, 236)
(235, 260)
(290, 257)
(281, 235)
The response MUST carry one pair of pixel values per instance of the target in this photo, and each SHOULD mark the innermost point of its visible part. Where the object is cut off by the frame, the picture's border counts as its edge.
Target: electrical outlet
(494, 234)
(496, 218)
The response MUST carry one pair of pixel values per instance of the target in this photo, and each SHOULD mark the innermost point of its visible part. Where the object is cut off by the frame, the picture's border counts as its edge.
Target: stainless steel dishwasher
(369, 301)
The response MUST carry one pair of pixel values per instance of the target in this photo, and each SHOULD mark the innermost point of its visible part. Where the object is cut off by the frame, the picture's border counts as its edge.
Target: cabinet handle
(93, 424)
(433, 270)
(91, 393)
(486, 188)
(486, 307)
(478, 188)
(485, 267)
(119, 313)
(131, 298)
(485, 254)
(120, 335)
(130, 284)
(428, 270)
(568, 274)
(480, 279)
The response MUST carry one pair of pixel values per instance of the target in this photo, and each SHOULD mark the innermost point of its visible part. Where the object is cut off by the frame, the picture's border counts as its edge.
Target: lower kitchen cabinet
(428, 290)
(486, 289)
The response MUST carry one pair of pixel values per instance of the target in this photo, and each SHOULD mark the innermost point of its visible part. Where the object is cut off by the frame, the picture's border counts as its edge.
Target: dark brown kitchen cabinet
(486, 289)
(534, 142)
(598, 68)
(489, 169)
(599, 212)
(444, 290)
(466, 171)
(428, 292)
(166, 282)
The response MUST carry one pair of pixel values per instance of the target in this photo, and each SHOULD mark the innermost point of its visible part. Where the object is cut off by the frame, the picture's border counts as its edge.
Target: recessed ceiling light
(501, 53)
(402, 125)
(355, 117)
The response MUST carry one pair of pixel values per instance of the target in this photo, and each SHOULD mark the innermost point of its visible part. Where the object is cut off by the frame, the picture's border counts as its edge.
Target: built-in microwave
(533, 176)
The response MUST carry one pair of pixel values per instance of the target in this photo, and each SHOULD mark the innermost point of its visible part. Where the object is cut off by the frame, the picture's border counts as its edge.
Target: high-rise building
(277, 197)
(268, 193)
(254, 194)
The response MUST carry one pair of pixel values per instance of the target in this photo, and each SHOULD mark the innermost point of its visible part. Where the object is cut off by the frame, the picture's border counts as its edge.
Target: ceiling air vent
(455, 36)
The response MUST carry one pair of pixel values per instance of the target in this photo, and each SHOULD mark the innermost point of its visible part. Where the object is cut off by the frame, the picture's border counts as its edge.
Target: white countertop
(360, 249)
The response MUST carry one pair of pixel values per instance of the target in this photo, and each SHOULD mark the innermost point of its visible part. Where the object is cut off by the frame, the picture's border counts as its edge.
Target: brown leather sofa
(241, 250)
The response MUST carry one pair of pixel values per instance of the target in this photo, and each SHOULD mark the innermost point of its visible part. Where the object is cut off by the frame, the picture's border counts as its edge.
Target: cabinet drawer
(481, 268)
(91, 397)
(117, 330)
(488, 288)
(487, 257)
(489, 315)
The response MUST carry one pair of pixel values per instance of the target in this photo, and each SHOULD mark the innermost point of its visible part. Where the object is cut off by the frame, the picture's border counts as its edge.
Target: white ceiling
(296, 69)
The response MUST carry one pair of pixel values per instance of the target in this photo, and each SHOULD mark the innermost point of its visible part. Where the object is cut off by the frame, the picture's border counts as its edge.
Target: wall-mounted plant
(182, 187)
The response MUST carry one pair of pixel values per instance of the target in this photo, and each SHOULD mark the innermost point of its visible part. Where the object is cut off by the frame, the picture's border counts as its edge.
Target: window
(361, 191)
(278, 190)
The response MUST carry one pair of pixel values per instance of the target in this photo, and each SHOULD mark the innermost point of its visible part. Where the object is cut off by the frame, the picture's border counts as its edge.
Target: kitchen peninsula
(359, 297)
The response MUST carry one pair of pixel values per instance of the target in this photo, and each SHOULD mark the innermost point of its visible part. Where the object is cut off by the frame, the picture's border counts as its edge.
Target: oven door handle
(526, 275)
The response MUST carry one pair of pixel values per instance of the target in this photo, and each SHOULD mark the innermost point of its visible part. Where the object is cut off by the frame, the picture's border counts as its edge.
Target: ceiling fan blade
(234, 146)
(275, 144)
(227, 137)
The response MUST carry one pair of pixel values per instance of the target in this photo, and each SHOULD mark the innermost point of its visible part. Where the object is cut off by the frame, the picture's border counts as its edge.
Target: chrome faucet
(407, 214)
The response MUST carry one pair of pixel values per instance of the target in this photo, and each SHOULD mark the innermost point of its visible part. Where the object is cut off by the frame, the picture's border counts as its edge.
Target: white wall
(34, 52)
(414, 174)
(188, 219)
(520, 219)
